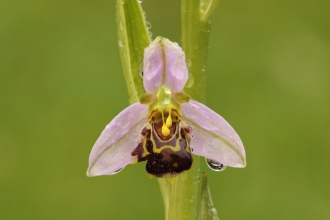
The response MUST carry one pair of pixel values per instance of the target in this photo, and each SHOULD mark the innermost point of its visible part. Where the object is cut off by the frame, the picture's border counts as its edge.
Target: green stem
(207, 9)
(180, 198)
(133, 37)
(196, 18)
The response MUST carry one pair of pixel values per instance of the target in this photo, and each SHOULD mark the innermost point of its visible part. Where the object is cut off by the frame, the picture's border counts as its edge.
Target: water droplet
(150, 34)
(214, 211)
(144, 14)
(121, 25)
(190, 81)
(120, 43)
(215, 165)
(148, 24)
(141, 68)
(196, 46)
(188, 62)
(140, 1)
(117, 171)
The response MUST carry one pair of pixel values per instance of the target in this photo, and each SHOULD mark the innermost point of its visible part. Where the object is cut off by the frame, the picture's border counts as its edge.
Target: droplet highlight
(188, 62)
(215, 166)
(140, 68)
(148, 24)
(190, 81)
(117, 171)
(120, 43)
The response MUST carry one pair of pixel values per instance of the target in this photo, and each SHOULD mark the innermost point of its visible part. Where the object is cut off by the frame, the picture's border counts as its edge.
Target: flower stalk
(196, 18)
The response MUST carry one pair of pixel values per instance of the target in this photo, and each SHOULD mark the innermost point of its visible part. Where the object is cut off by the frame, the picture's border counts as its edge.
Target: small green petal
(181, 97)
(147, 98)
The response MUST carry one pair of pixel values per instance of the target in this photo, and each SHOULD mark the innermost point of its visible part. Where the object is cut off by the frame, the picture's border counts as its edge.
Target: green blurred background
(61, 82)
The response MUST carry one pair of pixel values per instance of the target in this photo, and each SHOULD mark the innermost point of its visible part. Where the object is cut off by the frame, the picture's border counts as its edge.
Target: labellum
(166, 155)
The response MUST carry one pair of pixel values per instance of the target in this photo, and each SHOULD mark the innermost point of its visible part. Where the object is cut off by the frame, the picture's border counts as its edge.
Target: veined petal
(164, 63)
(175, 67)
(213, 137)
(153, 66)
(112, 150)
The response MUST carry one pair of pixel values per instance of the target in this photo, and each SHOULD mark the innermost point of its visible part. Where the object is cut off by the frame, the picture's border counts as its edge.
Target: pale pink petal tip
(153, 66)
(112, 150)
(213, 137)
(164, 63)
(176, 66)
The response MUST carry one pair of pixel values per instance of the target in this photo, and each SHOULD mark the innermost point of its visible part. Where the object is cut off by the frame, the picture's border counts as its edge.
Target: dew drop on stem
(148, 24)
(141, 68)
(188, 62)
(120, 43)
(190, 81)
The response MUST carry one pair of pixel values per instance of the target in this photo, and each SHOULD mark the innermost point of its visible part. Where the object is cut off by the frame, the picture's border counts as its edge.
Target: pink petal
(176, 66)
(213, 137)
(164, 63)
(112, 150)
(153, 66)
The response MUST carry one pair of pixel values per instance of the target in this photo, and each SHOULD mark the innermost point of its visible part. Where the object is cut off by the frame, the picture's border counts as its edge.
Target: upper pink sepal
(164, 63)
(213, 137)
(112, 150)
(153, 66)
(176, 66)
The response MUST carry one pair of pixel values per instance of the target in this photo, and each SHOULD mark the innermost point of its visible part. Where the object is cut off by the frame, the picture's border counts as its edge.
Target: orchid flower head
(166, 126)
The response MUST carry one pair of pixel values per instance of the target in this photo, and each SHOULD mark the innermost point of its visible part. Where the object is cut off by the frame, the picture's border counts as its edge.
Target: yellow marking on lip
(144, 146)
(158, 150)
(169, 119)
(175, 114)
(165, 129)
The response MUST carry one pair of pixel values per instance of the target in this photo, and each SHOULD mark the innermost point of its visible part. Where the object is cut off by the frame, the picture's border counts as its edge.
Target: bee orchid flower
(166, 126)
